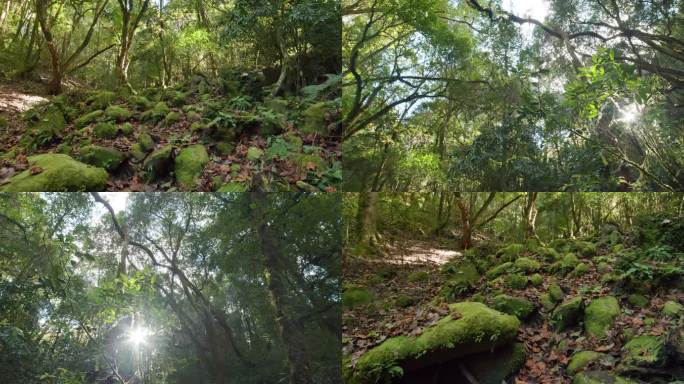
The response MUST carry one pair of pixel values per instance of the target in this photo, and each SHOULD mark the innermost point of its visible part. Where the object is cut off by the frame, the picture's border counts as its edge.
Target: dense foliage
(471, 95)
(225, 288)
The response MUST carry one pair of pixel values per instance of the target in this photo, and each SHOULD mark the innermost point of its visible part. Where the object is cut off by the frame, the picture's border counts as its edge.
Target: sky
(536, 9)
(116, 199)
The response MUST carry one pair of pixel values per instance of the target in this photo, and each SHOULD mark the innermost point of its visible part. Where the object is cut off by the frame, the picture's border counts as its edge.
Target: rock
(521, 308)
(103, 157)
(158, 164)
(172, 118)
(536, 280)
(146, 142)
(105, 130)
(644, 351)
(526, 265)
(126, 128)
(510, 252)
(673, 309)
(59, 173)
(404, 301)
(567, 314)
(581, 360)
(546, 302)
(497, 366)
(600, 377)
(117, 113)
(354, 296)
(224, 148)
(583, 248)
(101, 99)
(515, 281)
(637, 300)
(309, 162)
(88, 118)
(556, 293)
(459, 277)
(470, 328)
(565, 265)
(140, 102)
(254, 153)
(581, 269)
(600, 315)
(189, 165)
(548, 253)
(158, 112)
(675, 344)
(317, 117)
(499, 270)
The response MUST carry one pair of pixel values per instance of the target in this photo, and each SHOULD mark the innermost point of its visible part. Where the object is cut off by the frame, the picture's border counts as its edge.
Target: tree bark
(276, 265)
(530, 216)
(367, 219)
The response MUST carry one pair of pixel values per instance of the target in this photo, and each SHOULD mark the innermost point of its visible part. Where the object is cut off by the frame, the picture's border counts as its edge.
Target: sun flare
(138, 336)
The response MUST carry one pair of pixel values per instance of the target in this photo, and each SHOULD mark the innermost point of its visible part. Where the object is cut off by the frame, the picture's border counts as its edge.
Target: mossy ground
(232, 128)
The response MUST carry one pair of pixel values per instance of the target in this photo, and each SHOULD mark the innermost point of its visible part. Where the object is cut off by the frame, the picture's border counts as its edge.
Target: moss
(101, 99)
(193, 116)
(499, 270)
(198, 126)
(496, 366)
(548, 253)
(277, 105)
(471, 328)
(103, 157)
(521, 308)
(88, 118)
(126, 128)
(637, 300)
(172, 118)
(556, 293)
(419, 277)
(43, 130)
(105, 130)
(295, 141)
(644, 351)
(375, 280)
(309, 162)
(271, 123)
(140, 102)
(316, 118)
(137, 152)
(189, 165)
(404, 301)
(600, 377)
(603, 267)
(536, 280)
(254, 153)
(510, 252)
(146, 142)
(224, 148)
(157, 113)
(59, 173)
(565, 265)
(354, 296)
(581, 360)
(526, 265)
(459, 277)
(581, 269)
(672, 309)
(117, 113)
(3, 122)
(567, 313)
(583, 248)
(515, 281)
(600, 315)
(546, 302)
(234, 187)
(158, 164)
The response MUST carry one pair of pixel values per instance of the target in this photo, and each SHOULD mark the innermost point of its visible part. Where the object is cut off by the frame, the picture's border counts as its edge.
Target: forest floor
(206, 135)
(407, 297)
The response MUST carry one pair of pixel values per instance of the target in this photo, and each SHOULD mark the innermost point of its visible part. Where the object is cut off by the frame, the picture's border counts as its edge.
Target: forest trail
(20, 97)
(419, 253)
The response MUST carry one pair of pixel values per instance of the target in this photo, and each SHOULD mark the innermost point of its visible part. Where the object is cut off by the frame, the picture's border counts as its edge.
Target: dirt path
(15, 99)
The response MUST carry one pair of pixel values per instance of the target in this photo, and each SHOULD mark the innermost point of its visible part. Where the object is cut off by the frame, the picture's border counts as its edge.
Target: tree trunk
(367, 218)
(55, 85)
(124, 249)
(466, 224)
(284, 62)
(291, 328)
(530, 218)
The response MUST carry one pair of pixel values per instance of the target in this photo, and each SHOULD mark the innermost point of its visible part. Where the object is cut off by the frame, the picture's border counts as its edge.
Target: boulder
(637, 300)
(583, 359)
(510, 252)
(600, 315)
(459, 277)
(526, 265)
(189, 165)
(57, 173)
(600, 377)
(103, 157)
(568, 313)
(499, 270)
(105, 130)
(519, 307)
(117, 113)
(88, 118)
(159, 163)
(644, 351)
(673, 309)
(515, 281)
(470, 328)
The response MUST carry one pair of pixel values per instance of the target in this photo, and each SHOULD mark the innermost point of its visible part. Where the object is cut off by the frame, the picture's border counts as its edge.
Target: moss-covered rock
(515, 281)
(526, 265)
(673, 309)
(459, 277)
(546, 302)
(127, 129)
(140, 102)
(548, 253)
(146, 142)
(496, 366)
(566, 264)
(581, 269)
(470, 328)
(172, 118)
(58, 173)
(354, 296)
(254, 153)
(105, 130)
(103, 157)
(556, 293)
(536, 279)
(499, 270)
(644, 351)
(600, 377)
(510, 252)
(603, 267)
(583, 248)
(309, 162)
(88, 118)
(117, 113)
(404, 301)
(224, 148)
(637, 300)
(43, 129)
(583, 359)
(101, 99)
(519, 307)
(418, 276)
(234, 187)
(567, 313)
(157, 113)
(316, 117)
(159, 163)
(189, 165)
(600, 315)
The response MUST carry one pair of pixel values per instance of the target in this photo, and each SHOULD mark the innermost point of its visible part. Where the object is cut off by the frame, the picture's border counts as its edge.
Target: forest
(508, 287)
(170, 95)
(506, 95)
(148, 288)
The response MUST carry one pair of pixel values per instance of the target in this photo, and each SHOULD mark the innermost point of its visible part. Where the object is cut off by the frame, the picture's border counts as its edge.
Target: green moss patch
(159, 163)
(673, 309)
(510, 252)
(354, 296)
(459, 277)
(189, 165)
(57, 173)
(519, 307)
(644, 351)
(567, 313)
(526, 265)
(583, 359)
(499, 270)
(103, 157)
(600, 315)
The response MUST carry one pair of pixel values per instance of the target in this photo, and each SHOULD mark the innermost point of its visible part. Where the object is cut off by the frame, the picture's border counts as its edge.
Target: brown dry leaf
(34, 170)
